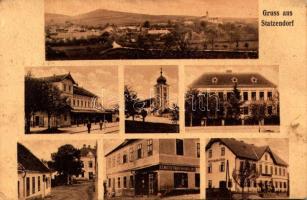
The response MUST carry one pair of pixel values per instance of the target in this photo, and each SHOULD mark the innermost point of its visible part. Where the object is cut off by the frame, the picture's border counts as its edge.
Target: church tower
(161, 93)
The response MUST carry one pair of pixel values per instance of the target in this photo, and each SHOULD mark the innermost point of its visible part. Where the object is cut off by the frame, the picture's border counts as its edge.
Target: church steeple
(161, 79)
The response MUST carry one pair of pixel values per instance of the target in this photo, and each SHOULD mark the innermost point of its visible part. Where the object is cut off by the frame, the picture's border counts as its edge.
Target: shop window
(180, 180)
(179, 147)
(197, 180)
(149, 147)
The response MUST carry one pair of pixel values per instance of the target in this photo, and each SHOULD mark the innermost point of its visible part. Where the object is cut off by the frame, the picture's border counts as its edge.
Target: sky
(194, 72)
(51, 146)
(216, 8)
(143, 78)
(102, 80)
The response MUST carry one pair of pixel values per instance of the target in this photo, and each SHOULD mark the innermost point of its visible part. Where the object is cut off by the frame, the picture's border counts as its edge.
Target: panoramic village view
(71, 100)
(151, 99)
(63, 170)
(138, 31)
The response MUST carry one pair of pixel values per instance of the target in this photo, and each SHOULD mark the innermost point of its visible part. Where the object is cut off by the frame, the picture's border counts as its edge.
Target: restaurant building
(153, 167)
(225, 156)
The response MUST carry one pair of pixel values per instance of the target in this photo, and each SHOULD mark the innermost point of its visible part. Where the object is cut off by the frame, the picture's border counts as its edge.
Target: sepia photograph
(140, 169)
(232, 99)
(71, 100)
(155, 29)
(62, 170)
(247, 168)
(151, 99)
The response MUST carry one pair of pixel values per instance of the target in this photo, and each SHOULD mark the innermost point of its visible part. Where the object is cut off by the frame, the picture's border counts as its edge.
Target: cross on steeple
(161, 71)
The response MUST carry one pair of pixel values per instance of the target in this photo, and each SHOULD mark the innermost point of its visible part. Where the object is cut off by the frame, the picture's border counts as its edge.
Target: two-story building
(153, 166)
(34, 178)
(89, 159)
(83, 105)
(254, 89)
(226, 156)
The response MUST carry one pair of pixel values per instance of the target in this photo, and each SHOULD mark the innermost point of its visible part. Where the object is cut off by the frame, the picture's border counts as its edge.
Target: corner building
(153, 166)
(225, 155)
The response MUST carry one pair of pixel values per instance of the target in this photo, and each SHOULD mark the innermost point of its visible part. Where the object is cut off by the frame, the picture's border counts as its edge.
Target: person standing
(100, 124)
(89, 125)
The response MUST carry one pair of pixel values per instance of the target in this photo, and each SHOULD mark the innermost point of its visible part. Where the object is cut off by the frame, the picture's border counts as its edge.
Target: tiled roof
(83, 92)
(123, 144)
(86, 149)
(225, 80)
(58, 78)
(245, 150)
(28, 161)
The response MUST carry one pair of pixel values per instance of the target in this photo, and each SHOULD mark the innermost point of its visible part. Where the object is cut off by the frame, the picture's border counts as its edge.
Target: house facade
(254, 90)
(34, 178)
(227, 156)
(89, 159)
(153, 166)
(83, 105)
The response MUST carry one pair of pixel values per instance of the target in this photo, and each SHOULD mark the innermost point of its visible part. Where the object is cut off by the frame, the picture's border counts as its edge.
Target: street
(181, 197)
(109, 128)
(82, 191)
(232, 129)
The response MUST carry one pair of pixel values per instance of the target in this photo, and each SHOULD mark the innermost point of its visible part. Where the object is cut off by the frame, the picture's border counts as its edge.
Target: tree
(144, 114)
(233, 104)
(66, 161)
(212, 34)
(131, 101)
(245, 175)
(146, 24)
(258, 111)
(175, 113)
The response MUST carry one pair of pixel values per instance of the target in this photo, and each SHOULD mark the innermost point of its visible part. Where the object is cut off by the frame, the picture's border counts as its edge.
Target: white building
(34, 178)
(224, 156)
(89, 158)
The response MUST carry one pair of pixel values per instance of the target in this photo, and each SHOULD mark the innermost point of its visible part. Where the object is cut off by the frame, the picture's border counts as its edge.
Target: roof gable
(59, 78)
(28, 161)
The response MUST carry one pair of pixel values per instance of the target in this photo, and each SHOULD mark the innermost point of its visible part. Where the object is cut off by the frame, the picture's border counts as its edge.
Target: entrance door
(146, 184)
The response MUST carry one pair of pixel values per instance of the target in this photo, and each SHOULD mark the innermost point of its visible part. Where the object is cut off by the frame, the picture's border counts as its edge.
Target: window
(81, 103)
(275, 170)
(131, 154)
(77, 102)
(198, 150)
(266, 169)
(209, 167)
(253, 95)
(276, 184)
(279, 171)
(125, 182)
(109, 182)
(118, 182)
(245, 110)
(38, 183)
(260, 169)
(270, 95)
(64, 85)
(180, 180)
(261, 95)
(28, 186)
(74, 102)
(179, 147)
(222, 167)
(33, 185)
(266, 157)
(18, 188)
(149, 147)
(125, 158)
(280, 184)
(223, 151)
(118, 159)
(221, 95)
(197, 180)
(284, 172)
(139, 147)
(131, 181)
(285, 185)
(271, 170)
(209, 183)
(210, 153)
(90, 164)
(69, 88)
(245, 96)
